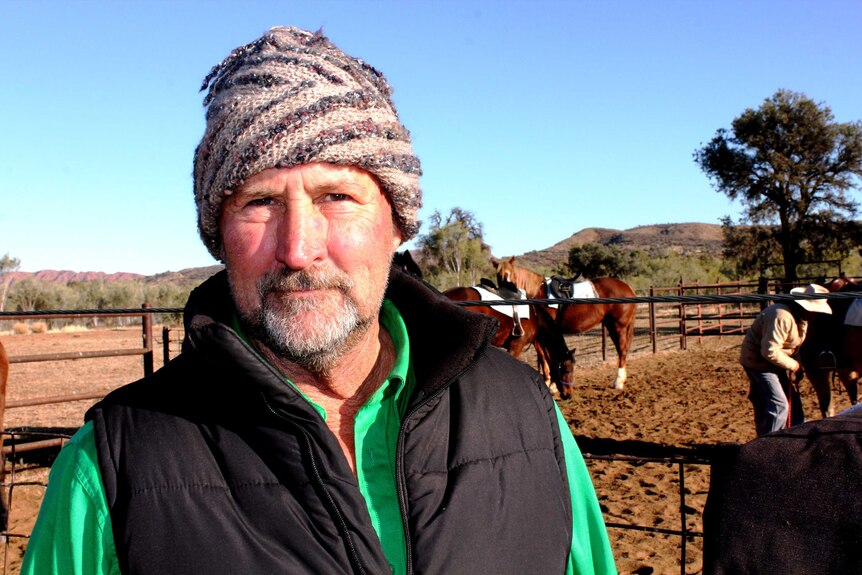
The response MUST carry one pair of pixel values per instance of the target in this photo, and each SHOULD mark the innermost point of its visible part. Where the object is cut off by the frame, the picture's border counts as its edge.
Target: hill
(188, 275)
(684, 239)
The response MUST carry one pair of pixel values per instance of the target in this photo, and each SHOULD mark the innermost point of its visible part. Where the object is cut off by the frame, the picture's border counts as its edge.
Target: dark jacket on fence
(788, 502)
(214, 465)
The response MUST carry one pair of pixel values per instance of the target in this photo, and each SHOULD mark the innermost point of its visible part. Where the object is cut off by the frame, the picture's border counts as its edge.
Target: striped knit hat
(291, 98)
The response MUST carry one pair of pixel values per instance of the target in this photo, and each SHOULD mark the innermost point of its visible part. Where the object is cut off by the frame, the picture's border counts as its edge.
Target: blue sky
(541, 117)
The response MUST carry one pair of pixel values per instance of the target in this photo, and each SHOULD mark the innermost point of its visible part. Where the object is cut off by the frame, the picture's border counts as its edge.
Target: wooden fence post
(147, 327)
(653, 336)
(166, 345)
(682, 334)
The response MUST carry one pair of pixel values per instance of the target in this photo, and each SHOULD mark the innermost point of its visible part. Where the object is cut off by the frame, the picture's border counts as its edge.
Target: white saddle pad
(509, 310)
(854, 313)
(584, 289)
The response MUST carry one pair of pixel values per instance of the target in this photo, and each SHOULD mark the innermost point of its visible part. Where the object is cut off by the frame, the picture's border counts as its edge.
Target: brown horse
(539, 329)
(618, 318)
(830, 345)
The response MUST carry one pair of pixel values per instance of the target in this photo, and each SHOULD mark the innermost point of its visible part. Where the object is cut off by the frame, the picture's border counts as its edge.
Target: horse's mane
(527, 278)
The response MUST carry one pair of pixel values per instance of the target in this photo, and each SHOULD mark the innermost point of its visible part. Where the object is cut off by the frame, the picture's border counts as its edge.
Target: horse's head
(562, 370)
(505, 270)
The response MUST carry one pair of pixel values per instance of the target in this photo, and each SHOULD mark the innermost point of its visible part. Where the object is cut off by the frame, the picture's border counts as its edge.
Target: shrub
(72, 328)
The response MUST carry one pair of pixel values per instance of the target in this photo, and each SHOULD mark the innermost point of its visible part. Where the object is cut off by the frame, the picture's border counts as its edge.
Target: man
(328, 413)
(767, 355)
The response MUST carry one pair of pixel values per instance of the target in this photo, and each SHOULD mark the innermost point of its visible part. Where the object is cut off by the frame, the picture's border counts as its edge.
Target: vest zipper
(342, 524)
(399, 453)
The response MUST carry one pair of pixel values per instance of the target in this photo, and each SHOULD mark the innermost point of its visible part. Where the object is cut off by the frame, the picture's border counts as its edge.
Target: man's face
(307, 251)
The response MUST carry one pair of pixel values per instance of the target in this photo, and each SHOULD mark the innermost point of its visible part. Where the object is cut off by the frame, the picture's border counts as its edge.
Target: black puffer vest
(215, 465)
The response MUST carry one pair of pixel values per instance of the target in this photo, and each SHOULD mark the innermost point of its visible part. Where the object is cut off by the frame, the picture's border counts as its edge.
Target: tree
(7, 264)
(597, 260)
(749, 247)
(792, 166)
(34, 295)
(453, 252)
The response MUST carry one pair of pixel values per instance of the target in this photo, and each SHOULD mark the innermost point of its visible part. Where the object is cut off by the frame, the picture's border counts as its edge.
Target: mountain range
(685, 239)
(190, 275)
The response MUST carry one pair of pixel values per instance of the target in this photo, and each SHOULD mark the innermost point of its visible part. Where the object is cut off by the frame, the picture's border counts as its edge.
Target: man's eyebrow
(252, 190)
(338, 186)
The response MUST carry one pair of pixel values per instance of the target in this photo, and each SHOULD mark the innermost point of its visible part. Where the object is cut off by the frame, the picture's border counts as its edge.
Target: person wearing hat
(328, 412)
(767, 355)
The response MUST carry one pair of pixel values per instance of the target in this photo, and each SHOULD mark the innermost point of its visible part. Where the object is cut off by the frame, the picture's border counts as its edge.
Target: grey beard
(316, 348)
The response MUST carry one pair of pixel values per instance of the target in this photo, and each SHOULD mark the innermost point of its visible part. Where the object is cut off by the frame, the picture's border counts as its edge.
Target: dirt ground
(674, 400)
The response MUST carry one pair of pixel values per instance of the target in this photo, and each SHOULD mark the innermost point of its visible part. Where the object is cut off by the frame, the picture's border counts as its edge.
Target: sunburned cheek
(346, 245)
(249, 239)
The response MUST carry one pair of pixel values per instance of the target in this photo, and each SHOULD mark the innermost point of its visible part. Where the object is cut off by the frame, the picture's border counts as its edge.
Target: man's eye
(335, 197)
(259, 202)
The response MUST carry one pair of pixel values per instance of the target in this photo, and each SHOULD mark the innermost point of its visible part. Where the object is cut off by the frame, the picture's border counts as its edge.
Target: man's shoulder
(507, 379)
(168, 384)
(516, 366)
(779, 313)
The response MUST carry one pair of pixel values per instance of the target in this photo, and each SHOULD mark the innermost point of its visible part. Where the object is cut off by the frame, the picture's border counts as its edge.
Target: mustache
(285, 280)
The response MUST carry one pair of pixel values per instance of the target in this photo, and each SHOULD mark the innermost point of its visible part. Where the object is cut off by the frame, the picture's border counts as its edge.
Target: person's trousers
(769, 394)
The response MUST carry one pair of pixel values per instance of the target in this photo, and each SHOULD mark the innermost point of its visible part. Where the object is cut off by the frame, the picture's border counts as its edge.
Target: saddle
(506, 290)
(562, 288)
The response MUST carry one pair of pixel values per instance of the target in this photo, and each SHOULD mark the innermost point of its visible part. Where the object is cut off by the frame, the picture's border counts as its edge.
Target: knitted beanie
(289, 98)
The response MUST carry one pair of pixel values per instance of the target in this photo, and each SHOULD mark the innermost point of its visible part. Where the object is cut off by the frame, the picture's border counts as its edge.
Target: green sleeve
(591, 550)
(73, 534)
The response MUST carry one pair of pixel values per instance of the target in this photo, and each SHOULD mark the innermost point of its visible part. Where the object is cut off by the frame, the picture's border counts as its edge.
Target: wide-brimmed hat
(813, 305)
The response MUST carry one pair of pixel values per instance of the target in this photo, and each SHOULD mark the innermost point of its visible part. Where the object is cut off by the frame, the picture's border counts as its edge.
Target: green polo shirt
(73, 533)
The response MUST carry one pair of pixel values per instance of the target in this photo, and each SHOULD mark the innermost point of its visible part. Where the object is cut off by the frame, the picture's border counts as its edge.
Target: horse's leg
(850, 381)
(542, 362)
(621, 333)
(820, 382)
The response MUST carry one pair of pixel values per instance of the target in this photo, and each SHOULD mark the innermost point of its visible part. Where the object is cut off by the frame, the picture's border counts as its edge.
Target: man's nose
(301, 237)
